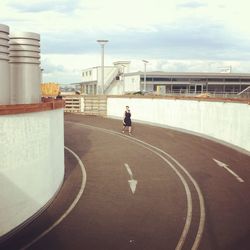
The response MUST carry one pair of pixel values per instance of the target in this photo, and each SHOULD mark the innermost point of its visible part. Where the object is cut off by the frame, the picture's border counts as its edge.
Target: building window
(216, 88)
(215, 80)
(148, 79)
(231, 80)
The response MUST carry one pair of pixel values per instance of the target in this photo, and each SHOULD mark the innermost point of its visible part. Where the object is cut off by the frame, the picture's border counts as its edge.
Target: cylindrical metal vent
(4, 65)
(25, 72)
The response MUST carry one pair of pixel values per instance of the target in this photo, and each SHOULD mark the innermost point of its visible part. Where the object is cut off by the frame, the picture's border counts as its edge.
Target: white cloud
(175, 35)
(67, 68)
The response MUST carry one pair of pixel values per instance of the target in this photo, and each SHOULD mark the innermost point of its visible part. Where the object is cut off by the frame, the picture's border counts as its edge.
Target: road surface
(157, 189)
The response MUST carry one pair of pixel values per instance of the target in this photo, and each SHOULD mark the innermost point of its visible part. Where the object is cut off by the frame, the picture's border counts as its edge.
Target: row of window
(200, 88)
(163, 79)
(87, 73)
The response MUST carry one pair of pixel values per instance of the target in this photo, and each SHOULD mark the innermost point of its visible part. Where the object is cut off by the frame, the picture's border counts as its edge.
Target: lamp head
(102, 42)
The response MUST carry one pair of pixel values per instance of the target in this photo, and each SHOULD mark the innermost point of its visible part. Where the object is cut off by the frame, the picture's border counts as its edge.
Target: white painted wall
(132, 83)
(31, 164)
(229, 122)
(90, 74)
(95, 73)
(116, 88)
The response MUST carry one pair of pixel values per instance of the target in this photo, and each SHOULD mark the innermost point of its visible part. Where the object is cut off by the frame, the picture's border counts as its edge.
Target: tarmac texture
(157, 189)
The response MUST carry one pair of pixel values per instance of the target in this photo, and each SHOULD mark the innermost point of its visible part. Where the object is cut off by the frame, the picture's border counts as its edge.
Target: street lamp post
(145, 70)
(123, 79)
(102, 43)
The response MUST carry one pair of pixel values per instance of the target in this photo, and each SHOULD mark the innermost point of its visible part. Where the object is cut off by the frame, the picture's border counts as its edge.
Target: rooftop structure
(119, 80)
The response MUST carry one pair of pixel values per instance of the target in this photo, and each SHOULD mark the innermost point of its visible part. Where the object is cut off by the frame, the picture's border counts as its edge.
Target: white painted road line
(129, 170)
(132, 182)
(154, 150)
(225, 166)
(71, 207)
(198, 190)
(189, 215)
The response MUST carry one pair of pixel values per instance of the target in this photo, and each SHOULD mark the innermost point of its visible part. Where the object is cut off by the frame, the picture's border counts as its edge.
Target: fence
(89, 105)
(73, 104)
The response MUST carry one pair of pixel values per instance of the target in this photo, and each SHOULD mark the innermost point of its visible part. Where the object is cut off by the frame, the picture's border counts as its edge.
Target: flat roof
(189, 74)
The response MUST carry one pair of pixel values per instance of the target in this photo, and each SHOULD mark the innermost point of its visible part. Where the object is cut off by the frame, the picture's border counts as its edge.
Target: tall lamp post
(102, 43)
(123, 79)
(145, 70)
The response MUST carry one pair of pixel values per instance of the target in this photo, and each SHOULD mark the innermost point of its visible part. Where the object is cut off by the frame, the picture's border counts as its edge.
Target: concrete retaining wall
(31, 164)
(225, 121)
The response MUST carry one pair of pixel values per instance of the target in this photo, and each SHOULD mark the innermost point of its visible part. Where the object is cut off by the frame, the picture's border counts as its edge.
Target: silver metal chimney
(25, 71)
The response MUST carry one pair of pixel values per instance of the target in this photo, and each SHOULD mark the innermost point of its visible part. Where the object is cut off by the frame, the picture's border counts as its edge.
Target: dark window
(245, 80)
(161, 79)
(232, 88)
(182, 79)
(215, 88)
(231, 80)
(215, 79)
(148, 79)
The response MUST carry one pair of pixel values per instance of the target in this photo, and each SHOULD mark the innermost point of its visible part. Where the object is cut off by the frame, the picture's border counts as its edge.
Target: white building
(118, 80)
(113, 79)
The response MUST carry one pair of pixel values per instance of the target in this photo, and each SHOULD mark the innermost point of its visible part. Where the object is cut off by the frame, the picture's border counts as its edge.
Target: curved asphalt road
(159, 189)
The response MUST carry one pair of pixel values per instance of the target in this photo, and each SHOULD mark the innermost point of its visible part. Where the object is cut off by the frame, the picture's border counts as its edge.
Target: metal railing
(245, 93)
(219, 94)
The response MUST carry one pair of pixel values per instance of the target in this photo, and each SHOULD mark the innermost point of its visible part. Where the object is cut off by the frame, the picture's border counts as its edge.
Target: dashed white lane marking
(225, 166)
(132, 182)
(71, 207)
(187, 190)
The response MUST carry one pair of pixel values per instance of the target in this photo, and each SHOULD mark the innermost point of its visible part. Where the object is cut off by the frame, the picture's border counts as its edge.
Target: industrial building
(118, 80)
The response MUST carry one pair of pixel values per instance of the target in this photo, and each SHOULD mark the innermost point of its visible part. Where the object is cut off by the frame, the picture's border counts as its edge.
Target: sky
(173, 35)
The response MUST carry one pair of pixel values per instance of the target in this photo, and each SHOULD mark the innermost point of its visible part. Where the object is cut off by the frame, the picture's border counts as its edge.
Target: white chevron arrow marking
(225, 166)
(132, 182)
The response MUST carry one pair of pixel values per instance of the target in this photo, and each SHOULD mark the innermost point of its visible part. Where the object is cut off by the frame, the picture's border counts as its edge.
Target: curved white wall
(31, 164)
(226, 121)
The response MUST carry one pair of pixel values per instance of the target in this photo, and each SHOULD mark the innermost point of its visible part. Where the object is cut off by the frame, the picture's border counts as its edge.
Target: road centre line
(187, 190)
(71, 207)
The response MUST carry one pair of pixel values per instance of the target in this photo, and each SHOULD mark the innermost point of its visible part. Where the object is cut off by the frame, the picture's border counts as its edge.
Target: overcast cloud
(180, 35)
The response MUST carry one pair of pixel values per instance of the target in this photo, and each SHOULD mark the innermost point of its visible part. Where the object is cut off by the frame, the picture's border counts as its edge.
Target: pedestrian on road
(127, 121)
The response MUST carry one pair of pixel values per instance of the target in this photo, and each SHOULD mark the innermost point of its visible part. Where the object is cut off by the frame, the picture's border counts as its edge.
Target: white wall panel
(229, 122)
